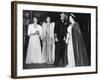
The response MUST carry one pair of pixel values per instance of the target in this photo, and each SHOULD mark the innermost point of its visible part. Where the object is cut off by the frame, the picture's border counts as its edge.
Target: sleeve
(29, 30)
(67, 39)
(43, 31)
(40, 30)
(55, 28)
(52, 30)
(53, 25)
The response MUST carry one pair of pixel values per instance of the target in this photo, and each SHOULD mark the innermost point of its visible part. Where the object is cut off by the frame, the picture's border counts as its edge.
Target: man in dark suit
(60, 36)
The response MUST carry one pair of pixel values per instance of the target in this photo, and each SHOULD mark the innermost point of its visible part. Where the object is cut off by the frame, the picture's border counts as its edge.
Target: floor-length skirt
(51, 51)
(48, 51)
(70, 53)
(34, 54)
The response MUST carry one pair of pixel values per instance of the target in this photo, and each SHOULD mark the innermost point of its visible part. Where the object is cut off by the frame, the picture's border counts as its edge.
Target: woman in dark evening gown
(77, 54)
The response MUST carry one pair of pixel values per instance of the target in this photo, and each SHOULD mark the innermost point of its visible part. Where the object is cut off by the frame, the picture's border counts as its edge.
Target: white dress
(34, 48)
(70, 52)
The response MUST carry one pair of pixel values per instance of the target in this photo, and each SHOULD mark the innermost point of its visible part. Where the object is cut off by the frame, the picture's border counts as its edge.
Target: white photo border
(50, 71)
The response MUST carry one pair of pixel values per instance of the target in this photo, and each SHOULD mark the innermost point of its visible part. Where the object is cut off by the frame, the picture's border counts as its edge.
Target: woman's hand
(56, 40)
(37, 32)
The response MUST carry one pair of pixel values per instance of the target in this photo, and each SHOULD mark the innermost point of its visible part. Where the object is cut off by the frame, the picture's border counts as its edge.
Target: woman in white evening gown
(48, 41)
(70, 52)
(34, 54)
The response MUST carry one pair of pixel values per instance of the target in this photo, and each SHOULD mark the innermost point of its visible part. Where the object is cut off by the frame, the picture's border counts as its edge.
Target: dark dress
(80, 53)
(26, 22)
(60, 46)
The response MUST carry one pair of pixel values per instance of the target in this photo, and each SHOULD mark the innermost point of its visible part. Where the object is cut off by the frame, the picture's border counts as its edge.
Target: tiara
(72, 15)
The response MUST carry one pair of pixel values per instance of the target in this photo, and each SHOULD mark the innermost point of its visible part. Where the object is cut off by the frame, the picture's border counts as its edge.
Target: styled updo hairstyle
(73, 16)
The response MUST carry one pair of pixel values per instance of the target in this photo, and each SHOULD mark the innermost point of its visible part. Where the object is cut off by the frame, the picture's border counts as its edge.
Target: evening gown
(34, 54)
(70, 52)
(48, 49)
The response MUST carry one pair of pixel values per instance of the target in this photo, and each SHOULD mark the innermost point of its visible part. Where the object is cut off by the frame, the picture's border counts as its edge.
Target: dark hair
(67, 14)
(47, 17)
(37, 19)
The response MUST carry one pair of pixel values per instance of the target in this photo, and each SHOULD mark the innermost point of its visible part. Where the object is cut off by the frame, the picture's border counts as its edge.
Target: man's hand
(55, 37)
(56, 40)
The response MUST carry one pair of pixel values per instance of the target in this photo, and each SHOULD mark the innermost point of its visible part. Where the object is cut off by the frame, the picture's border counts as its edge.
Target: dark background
(83, 19)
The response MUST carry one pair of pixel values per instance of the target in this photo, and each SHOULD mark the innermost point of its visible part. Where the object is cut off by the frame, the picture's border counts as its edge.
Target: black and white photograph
(56, 39)
(53, 39)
